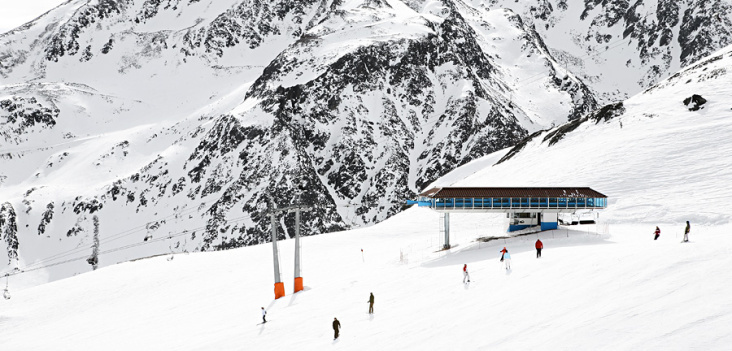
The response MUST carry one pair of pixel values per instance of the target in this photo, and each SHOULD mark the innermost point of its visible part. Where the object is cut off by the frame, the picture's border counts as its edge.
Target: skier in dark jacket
(371, 303)
(657, 232)
(336, 326)
(686, 232)
(539, 245)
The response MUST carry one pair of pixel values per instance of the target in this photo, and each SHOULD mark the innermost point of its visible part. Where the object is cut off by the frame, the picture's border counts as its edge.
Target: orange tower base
(298, 284)
(279, 290)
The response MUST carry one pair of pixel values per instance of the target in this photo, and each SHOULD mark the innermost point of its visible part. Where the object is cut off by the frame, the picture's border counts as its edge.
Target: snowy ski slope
(622, 291)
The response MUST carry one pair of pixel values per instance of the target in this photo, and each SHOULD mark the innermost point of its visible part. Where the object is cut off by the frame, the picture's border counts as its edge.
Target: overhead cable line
(31, 267)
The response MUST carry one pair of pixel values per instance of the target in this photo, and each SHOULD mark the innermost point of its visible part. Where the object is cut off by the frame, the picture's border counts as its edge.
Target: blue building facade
(525, 207)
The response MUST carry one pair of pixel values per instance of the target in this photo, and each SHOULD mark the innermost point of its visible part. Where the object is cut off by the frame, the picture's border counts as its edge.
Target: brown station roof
(452, 192)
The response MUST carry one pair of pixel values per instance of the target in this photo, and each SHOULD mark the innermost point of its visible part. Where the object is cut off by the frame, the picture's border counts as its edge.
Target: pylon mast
(279, 286)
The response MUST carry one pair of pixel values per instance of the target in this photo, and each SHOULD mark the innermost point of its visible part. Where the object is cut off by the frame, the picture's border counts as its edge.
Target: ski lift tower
(298, 278)
(279, 286)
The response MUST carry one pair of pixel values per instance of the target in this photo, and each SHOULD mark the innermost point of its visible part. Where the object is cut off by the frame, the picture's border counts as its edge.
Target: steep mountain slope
(172, 121)
(661, 155)
(621, 47)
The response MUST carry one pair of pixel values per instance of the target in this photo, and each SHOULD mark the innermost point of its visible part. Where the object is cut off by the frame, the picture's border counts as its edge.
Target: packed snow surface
(614, 290)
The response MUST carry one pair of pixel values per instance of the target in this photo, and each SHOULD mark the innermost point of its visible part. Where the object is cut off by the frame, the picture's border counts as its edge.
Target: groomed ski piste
(622, 291)
(608, 286)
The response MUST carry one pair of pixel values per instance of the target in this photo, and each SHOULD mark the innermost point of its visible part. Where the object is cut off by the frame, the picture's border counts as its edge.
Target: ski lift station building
(526, 207)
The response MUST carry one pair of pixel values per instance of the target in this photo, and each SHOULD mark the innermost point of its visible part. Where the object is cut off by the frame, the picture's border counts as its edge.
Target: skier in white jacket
(264, 314)
(506, 258)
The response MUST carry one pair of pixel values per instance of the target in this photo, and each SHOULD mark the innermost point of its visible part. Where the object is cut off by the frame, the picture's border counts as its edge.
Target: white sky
(14, 13)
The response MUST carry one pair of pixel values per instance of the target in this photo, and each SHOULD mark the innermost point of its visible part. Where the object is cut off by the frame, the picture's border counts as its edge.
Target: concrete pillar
(549, 221)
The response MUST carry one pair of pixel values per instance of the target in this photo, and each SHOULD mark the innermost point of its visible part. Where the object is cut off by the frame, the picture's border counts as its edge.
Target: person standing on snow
(506, 257)
(371, 303)
(336, 326)
(539, 245)
(264, 314)
(503, 252)
(657, 232)
(686, 232)
(466, 276)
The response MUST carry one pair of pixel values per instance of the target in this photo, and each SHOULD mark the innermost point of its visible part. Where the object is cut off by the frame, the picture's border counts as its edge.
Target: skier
(503, 252)
(506, 258)
(686, 232)
(539, 245)
(657, 232)
(264, 315)
(466, 275)
(371, 303)
(336, 326)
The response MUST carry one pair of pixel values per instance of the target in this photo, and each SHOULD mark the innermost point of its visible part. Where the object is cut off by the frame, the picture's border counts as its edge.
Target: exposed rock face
(46, 218)
(21, 115)
(603, 114)
(9, 230)
(66, 40)
(249, 23)
(396, 83)
(695, 102)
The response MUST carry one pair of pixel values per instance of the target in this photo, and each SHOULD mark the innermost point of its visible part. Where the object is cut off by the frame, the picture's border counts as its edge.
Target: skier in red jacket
(466, 276)
(539, 245)
(658, 233)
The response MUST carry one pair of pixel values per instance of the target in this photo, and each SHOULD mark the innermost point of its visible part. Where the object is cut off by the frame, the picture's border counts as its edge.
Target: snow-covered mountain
(171, 121)
(661, 159)
(620, 47)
